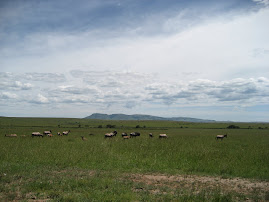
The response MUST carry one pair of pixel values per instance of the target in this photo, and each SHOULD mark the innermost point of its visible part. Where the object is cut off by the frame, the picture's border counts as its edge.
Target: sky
(204, 59)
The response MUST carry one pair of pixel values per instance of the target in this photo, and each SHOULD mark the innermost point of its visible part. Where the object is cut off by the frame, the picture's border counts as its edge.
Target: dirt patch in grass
(195, 184)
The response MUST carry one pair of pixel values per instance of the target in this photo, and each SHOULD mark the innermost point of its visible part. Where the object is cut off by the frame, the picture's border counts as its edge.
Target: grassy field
(183, 167)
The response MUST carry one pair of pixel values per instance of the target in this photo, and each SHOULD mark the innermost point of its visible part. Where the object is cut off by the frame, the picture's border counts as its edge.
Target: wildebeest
(134, 134)
(112, 134)
(11, 135)
(150, 135)
(124, 134)
(162, 136)
(83, 138)
(221, 137)
(37, 134)
(59, 134)
(47, 132)
(109, 135)
(66, 132)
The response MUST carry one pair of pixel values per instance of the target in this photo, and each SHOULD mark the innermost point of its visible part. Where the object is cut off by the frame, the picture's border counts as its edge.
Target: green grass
(69, 169)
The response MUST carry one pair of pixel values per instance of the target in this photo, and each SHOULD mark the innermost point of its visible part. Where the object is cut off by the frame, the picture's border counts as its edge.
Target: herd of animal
(107, 135)
(49, 133)
(38, 134)
(131, 135)
(125, 136)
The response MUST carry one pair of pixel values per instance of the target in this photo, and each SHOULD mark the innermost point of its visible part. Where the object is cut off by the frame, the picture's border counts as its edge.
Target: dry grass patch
(194, 184)
(74, 172)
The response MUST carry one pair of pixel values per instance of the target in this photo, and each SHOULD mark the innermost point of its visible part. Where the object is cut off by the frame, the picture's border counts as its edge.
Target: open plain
(189, 165)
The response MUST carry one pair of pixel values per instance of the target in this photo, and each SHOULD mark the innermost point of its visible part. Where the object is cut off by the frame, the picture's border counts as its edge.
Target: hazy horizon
(197, 118)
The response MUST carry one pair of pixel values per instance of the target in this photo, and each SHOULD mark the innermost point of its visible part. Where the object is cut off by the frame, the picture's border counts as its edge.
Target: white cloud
(7, 95)
(207, 92)
(45, 77)
(130, 89)
(139, 94)
(76, 90)
(39, 99)
(15, 85)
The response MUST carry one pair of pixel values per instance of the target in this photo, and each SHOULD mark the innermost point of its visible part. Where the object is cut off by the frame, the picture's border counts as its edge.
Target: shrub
(233, 127)
(110, 126)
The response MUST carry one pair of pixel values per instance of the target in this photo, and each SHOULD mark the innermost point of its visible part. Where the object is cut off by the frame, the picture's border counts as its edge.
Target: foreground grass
(69, 169)
(84, 185)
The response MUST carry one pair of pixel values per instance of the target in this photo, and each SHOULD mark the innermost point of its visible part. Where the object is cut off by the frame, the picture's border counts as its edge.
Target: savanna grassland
(190, 165)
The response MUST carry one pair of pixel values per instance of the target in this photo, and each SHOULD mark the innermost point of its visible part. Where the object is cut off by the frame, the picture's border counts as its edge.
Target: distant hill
(143, 117)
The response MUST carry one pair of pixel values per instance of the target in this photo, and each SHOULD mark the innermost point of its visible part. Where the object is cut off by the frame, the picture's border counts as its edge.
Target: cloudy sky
(191, 58)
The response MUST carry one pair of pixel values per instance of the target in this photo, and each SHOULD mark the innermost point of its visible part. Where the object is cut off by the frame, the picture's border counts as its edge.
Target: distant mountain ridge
(144, 117)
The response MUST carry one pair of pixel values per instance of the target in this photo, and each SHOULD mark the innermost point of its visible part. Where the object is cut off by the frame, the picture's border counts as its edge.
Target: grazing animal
(221, 137)
(109, 135)
(134, 134)
(83, 138)
(112, 134)
(124, 134)
(59, 134)
(11, 135)
(37, 134)
(115, 133)
(66, 132)
(150, 135)
(47, 132)
(126, 137)
(50, 135)
(162, 136)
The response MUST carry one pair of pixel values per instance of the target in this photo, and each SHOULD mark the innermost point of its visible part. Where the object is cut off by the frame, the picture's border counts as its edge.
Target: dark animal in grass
(11, 135)
(134, 134)
(150, 135)
(37, 134)
(124, 134)
(221, 137)
(162, 136)
(59, 134)
(115, 132)
(83, 138)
